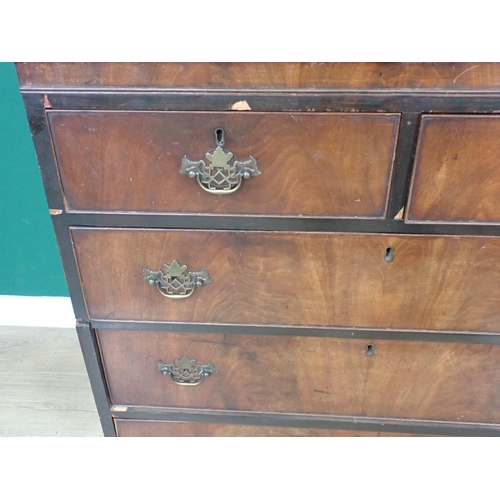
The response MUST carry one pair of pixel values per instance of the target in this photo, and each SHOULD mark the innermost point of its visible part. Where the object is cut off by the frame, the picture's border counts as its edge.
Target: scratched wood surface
(287, 278)
(155, 428)
(320, 164)
(420, 380)
(44, 387)
(456, 176)
(264, 75)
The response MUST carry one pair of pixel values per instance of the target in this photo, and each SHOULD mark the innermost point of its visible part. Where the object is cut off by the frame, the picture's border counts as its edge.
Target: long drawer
(155, 428)
(315, 164)
(303, 375)
(345, 280)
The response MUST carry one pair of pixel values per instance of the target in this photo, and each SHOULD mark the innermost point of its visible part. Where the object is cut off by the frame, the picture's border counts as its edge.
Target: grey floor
(44, 388)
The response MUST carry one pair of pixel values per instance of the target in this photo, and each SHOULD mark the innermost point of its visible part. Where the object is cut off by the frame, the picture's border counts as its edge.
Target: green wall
(29, 258)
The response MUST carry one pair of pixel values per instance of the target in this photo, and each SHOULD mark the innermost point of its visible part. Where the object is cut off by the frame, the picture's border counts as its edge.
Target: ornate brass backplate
(220, 176)
(186, 371)
(174, 281)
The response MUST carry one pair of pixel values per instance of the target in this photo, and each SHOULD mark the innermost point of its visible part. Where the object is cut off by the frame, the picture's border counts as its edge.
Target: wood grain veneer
(130, 161)
(420, 380)
(449, 283)
(390, 76)
(155, 428)
(457, 170)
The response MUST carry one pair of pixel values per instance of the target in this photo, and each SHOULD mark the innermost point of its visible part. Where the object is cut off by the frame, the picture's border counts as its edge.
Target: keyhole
(369, 350)
(219, 137)
(389, 254)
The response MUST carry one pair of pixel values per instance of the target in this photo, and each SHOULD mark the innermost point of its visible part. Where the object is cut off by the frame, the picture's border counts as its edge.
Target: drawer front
(317, 164)
(456, 175)
(434, 283)
(307, 375)
(155, 428)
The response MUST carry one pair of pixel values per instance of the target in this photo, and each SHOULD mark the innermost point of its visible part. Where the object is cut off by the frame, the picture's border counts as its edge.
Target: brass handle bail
(175, 281)
(220, 175)
(187, 371)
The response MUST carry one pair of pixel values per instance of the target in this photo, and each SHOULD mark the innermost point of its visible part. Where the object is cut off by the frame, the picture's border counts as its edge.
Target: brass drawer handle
(186, 371)
(219, 176)
(174, 282)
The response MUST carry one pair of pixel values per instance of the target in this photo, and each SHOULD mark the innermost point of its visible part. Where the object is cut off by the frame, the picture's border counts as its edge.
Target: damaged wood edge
(241, 106)
(55, 211)
(46, 102)
(400, 214)
(119, 408)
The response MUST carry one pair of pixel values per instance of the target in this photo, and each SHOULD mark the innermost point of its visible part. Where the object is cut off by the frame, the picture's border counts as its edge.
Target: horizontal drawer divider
(319, 101)
(354, 333)
(310, 421)
(263, 223)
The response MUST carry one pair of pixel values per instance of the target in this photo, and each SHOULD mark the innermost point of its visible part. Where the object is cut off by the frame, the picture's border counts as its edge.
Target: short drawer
(456, 176)
(344, 280)
(156, 428)
(304, 375)
(315, 164)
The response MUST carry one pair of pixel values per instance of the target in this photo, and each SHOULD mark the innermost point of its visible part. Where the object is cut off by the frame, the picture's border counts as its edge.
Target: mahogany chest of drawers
(278, 249)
